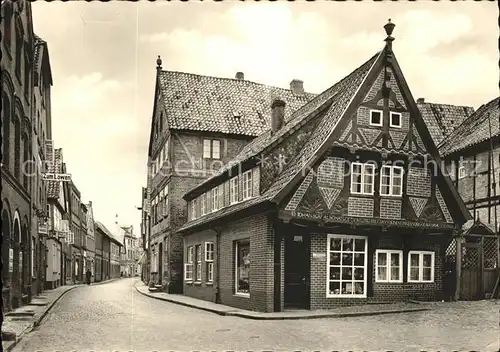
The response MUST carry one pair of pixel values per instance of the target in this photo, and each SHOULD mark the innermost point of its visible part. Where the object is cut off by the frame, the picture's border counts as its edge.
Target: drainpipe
(217, 265)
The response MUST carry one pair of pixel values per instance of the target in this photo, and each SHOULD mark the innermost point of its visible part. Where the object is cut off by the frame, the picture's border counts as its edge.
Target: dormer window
(233, 190)
(376, 117)
(395, 119)
(215, 198)
(203, 205)
(461, 172)
(247, 185)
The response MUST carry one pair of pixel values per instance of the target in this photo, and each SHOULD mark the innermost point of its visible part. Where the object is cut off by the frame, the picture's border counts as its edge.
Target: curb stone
(242, 314)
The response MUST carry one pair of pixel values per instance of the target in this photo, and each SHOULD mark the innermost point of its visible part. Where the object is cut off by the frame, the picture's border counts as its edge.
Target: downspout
(217, 264)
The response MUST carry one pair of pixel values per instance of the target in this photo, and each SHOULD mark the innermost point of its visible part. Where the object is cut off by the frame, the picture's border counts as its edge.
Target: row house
(76, 227)
(199, 124)
(145, 235)
(131, 252)
(90, 238)
(83, 233)
(98, 232)
(345, 202)
(105, 269)
(472, 155)
(42, 132)
(16, 166)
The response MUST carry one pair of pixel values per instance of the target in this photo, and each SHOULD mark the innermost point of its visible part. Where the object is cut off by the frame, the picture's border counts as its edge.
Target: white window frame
(236, 274)
(216, 149)
(188, 266)
(388, 265)
(198, 263)
(247, 185)
(209, 259)
(391, 180)
(203, 204)
(365, 266)
(233, 190)
(215, 198)
(381, 118)
(193, 209)
(421, 267)
(207, 148)
(461, 172)
(400, 119)
(363, 168)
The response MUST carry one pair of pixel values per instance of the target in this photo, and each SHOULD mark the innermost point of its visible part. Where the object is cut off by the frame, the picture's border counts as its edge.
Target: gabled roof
(99, 225)
(41, 57)
(222, 105)
(479, 226)
(329, 108)
(475, 129)
(442, 119)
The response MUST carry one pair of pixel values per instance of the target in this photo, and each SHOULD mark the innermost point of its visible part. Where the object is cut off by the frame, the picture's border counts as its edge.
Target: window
(362, 178)
(215, 198)
(389, 264)
(346, 269)
(233, 190)
(242, 274)
(165, 201)
(26, 159)
(209, 260)
(26, 72)
(420, 266)
(17, 148)
(395, 119)
(461, 172)
(376, 117)
(19, 49)
(6, 118)
(33, 251)
(7, 25)
(211, 149)
(193, 209)
(247, 185)
(198, 263)
(391, 181)
(203, 205)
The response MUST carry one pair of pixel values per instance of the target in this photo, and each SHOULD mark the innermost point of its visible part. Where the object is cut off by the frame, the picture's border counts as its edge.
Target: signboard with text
(43, 229)
(56, 177)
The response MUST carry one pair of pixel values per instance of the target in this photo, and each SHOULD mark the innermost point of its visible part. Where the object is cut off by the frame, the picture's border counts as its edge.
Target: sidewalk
(364, 310)
(21, 321)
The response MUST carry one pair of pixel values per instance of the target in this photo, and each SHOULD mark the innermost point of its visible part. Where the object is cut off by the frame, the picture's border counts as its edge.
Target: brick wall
(360, 207)
(259, 231)
(418, 182)
(382, 292)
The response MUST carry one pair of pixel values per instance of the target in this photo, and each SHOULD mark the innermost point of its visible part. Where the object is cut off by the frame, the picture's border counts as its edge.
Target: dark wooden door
(470, 283)
(160, 264)
(297, 272)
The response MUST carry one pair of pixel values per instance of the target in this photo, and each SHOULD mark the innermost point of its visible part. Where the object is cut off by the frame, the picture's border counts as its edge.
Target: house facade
(90, 239)
(345, 202)
(17, 119)
(472, 154)
(99, 233)
(76, 228)
(198, 125)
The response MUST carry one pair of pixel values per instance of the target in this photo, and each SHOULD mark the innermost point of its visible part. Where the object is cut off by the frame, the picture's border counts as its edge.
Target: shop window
(347, 262)
(242, 274)
(389, 265)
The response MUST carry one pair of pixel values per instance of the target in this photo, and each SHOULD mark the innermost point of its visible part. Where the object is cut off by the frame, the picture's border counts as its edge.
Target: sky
(103, 58)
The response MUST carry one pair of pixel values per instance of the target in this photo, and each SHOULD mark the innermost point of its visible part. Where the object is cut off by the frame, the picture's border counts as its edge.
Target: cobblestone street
(115, 317)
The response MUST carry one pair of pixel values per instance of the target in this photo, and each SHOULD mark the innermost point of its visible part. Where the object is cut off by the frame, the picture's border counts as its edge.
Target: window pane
(347, 259)
(335, 288)
(216, 149)
(356, 169)
(334, 273)
(206, 148)
(347, 244)
(427, 275)
(382, 259)
(427, 260)
(359, 259)
(347, 288)
(395, 273)
(359, 288)
(335, 244)
(243, 270)
(334, 258)
(359, 245)
(347, 274)
(413, 273)
(368, 188)
(359, 273)
(382, 273)
(414, 260)
(396, 190)
(394, 259)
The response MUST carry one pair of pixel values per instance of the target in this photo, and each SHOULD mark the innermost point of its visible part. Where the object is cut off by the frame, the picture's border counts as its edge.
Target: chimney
(240, 75)
(420, 100)
(277, 114)
(297, 87)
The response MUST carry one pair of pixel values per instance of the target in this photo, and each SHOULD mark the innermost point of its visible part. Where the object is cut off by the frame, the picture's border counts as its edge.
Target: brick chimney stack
(420, 100)
(277, 115)
(240, 75)
(297, 87)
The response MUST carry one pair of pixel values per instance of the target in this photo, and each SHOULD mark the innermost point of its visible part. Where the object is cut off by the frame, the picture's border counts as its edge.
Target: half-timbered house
(345, 202)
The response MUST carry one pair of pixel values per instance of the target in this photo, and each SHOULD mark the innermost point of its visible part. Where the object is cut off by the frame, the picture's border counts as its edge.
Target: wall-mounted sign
(319, 257)
(43, 229)
(56, 177)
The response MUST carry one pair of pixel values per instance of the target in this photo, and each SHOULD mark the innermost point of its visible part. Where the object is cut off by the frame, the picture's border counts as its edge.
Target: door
(297, 272)
(471, 272)
(160, 264)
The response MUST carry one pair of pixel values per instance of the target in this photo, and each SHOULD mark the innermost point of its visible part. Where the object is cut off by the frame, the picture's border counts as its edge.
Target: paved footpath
(19, 322)
(116, 317)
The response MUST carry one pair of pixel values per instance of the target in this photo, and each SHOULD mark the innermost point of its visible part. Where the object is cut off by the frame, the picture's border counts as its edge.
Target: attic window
(376, 117)
(395, 120)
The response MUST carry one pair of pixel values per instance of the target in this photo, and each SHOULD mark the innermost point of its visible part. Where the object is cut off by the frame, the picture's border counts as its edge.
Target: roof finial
(158, 62)
(389, 28)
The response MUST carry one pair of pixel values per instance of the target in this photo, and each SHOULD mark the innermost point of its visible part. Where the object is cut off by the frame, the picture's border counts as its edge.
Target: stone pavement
(355, 311)
(21, 321)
